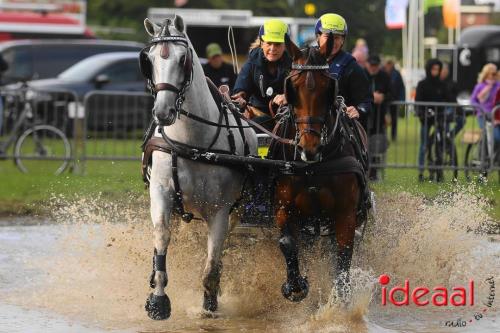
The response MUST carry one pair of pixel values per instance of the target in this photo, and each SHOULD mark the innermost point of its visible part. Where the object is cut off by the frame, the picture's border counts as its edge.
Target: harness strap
(310, 120)
(230, 136)
(165, 86)
(179, 204)
(354, 139)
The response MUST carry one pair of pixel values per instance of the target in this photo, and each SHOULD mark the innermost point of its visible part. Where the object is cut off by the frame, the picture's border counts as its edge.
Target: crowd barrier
(431, 138)
(434, 138)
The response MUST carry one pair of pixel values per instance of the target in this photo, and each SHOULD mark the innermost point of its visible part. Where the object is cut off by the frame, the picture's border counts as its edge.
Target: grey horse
(208, 191)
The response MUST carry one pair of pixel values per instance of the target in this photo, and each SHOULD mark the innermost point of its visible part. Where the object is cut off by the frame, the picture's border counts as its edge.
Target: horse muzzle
(164, 110)
(310, 156)
(165, 118)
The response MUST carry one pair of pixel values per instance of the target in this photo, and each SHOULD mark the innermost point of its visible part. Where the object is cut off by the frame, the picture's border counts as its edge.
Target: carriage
(200, 151)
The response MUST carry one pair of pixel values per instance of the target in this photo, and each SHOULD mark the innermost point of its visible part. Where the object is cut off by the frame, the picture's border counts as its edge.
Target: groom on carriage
(353, 83)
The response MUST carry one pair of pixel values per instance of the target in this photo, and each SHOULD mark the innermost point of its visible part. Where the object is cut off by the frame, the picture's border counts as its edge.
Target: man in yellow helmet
(261, 78)
(353, 83)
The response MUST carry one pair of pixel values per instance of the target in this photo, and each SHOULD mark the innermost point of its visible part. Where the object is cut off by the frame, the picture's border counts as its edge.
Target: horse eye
(183, 58)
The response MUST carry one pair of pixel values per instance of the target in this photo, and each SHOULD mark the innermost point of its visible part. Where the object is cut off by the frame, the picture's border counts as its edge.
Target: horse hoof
(297, 291)
(158, 307)
(344, 292)
(210, 302)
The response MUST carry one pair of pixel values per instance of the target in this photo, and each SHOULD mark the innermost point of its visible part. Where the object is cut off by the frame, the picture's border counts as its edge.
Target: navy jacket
(222, 75)
(255, 80)
(353, 83)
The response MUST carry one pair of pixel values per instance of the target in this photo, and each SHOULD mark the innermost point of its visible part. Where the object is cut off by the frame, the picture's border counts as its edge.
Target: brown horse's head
(310, 91)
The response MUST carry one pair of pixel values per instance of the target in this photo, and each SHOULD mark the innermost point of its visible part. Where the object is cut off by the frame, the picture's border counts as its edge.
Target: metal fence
(114, 124)
(28, 117)
(433, 138)
(428, 137)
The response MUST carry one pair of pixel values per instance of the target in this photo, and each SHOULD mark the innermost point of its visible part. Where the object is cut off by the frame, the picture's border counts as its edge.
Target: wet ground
(87, 271)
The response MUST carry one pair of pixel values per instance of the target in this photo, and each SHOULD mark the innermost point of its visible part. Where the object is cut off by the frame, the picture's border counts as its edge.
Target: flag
(395, 13)
(450, 13)
(432, 3)
(180, 3)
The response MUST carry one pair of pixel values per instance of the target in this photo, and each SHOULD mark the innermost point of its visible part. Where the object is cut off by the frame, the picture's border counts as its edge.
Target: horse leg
(158, 304)
(217, 233)
(296, 287)
(341, 200)
(345, 226)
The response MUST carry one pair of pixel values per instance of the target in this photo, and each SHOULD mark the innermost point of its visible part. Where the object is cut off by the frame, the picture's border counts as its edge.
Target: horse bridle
(309, 120)
(146, 67)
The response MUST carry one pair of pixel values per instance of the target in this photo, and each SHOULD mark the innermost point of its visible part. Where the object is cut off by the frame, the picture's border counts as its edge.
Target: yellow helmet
(333, 23)
(273, 31)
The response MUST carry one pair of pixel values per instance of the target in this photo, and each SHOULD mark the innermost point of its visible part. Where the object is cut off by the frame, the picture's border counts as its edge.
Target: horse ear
(292, 49)
(151, 28)
(179, 23)
(326, 48)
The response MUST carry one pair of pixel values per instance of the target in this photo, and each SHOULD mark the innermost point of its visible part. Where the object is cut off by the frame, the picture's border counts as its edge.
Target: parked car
(114, 71)
(46, 58)
(109, 72)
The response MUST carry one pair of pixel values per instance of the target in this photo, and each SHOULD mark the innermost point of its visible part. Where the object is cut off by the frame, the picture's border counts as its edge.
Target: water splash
(104, 262)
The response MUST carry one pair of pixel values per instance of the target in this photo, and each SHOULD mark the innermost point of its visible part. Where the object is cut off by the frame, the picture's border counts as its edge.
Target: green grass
(30, 193)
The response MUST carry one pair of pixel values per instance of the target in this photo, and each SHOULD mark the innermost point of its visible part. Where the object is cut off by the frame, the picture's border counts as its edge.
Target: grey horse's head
(168, 63)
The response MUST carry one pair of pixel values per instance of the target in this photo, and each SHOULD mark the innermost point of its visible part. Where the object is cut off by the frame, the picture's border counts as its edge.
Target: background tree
(364, 18)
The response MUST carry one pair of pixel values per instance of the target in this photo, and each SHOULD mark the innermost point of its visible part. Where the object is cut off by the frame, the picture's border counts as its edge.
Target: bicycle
(441, 138)
(38, 146)
(482, 154)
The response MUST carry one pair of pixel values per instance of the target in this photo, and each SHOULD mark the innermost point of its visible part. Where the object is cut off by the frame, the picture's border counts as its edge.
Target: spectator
(216, 69)
(380, 84)
(360, 52)
(452, 114)
(430, 89)
(398, 93)
(496, 123)
(3, 67)
(485, 91)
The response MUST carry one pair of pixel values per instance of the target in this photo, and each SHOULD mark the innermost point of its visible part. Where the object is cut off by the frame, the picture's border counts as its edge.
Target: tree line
(364, 18)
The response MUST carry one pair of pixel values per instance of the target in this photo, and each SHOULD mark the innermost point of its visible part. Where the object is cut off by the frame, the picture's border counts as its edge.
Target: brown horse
(331, 186)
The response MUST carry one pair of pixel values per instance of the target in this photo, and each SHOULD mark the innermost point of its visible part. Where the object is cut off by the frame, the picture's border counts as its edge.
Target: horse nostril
(171, 110)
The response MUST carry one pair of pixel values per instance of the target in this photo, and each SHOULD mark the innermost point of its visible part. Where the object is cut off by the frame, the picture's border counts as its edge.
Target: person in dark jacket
(353, 83)
(380, 84)
(3, 67)
(216, 69)
(455, 115)
(398, 93)
(261, 80)
(431, 89)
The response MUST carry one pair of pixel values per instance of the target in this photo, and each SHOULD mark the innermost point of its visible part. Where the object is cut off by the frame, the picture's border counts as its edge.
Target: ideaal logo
(458, 296)
(438, 296)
